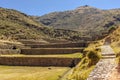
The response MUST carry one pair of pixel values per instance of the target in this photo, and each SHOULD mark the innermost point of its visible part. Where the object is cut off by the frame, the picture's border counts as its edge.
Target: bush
(112, 28)
(93, 57)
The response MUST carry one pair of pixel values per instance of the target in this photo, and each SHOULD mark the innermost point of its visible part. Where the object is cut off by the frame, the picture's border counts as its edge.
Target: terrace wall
(9, 51)
(5, 46)
(39, 61)
(45, 51)
(61, 45)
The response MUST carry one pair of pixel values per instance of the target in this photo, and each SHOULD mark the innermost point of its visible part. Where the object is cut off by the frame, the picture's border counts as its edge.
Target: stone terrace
(35, 53)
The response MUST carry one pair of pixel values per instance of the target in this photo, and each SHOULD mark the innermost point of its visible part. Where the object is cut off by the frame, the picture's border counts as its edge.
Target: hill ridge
(86, 19)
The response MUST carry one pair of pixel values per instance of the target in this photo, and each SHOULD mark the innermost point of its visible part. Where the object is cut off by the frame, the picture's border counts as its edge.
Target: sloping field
(31, 73)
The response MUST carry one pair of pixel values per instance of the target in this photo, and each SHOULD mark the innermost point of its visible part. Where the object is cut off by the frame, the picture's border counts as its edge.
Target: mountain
(91, 24)
(85, 19)
(17, 25)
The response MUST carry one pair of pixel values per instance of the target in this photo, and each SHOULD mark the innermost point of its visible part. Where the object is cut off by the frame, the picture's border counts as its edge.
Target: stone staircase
(105, 66)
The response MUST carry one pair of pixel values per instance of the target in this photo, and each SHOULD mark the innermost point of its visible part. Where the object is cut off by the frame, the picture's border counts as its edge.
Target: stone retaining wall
(9, 51)
(39, 61)
(62, 45)
(5, 46)
(45, 51)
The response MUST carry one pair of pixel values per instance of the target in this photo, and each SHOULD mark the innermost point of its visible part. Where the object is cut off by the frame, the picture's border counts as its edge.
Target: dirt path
(105, 66)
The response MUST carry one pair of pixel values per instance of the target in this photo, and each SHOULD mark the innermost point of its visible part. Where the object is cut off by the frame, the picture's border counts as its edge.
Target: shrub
(112, 28)
(93, 57)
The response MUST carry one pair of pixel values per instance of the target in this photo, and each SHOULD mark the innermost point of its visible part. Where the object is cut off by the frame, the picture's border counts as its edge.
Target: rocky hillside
(77, 27)
(17, 25)
(85, 19)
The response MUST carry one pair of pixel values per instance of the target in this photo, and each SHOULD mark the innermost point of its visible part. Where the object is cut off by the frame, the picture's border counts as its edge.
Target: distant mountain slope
(85, 19)
(17, 25)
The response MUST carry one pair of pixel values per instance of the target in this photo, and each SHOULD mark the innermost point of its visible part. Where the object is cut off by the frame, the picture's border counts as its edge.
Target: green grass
(31, 73)
(74, 55)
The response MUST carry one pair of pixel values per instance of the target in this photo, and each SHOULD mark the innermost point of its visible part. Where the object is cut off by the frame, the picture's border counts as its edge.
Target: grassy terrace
(74, 55)
(31, 73)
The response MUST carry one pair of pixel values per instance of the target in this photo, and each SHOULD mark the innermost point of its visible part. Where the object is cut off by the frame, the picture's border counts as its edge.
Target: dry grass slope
(115, 42)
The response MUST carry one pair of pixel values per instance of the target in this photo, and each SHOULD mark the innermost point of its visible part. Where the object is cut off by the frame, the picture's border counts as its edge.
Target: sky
(41, 7)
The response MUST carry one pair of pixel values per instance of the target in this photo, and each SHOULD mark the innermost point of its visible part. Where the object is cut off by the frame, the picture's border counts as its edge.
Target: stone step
(110, 54)
(108, 57)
